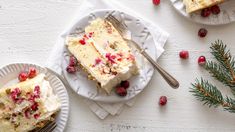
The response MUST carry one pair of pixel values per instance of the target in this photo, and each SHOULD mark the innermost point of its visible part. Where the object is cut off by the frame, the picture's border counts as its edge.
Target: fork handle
(169, 79)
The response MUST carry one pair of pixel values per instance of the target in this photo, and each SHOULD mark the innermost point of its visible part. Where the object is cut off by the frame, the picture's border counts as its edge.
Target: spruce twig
(224, 71)
(211, 96)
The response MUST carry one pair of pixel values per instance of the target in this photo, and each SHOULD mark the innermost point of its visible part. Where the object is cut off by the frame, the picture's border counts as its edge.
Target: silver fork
(49, 127)
(126, 34)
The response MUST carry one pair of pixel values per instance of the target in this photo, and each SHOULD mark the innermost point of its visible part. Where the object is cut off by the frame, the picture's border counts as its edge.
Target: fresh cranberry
(32, 72)
(156, 2)
(184, 54)
(22, 76)
(202, 32)
(36, 116)
(71, 69)
(125, 84)
(82, 41)
(162, 100)
(121, 91)
(72, 61)
(215, 9)
(206, 12)
(34, 107)
(202, 60)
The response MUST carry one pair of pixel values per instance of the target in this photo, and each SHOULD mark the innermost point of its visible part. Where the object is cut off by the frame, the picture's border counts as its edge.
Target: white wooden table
(29, 29)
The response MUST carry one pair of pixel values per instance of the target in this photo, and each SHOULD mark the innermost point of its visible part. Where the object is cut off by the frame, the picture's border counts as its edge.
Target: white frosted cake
(27, 105)
(104, 54)
(195, 5)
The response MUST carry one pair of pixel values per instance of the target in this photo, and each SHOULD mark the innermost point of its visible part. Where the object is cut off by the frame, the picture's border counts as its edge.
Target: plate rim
(66, 111)
(74, 26)
(197, 21)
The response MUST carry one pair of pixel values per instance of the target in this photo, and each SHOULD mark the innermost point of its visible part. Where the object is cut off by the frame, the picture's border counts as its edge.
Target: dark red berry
(34, 107)
(202, 60)
(215, 9)
(82, 41)
(125, 84)
(206, 12)
(184, 54)
(72, 61)
(121, 91)
(32, 72)
(36, 116)
(22, 76)
(156, 2)
(162, 100)
(202, 32)
(71, 69)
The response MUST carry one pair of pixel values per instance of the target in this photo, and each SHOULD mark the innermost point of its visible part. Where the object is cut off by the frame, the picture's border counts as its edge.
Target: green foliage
(224, 71)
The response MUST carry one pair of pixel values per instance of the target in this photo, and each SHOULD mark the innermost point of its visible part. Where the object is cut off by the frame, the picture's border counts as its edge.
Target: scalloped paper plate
(140, 34)
(227, 14)
(9, 75)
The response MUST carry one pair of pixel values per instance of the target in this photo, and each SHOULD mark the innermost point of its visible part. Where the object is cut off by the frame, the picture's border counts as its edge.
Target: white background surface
(29, 29)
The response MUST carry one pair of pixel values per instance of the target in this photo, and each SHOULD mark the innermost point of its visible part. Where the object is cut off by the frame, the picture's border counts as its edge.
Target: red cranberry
(82, 41)
(184, 54)
(32, 72)
(202, 60)
(72, 61)
(206, 12)
(34, 107)
(162, 100)
(156, 2)
(22, 76)
(36, 116)
(71, 69)
(215, 9)
(202, 32)
(121, 91)
(125, 84)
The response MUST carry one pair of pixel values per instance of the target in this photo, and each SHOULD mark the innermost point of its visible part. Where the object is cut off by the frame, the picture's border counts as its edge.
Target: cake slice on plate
(195, 5)
(103, 54)
(27, 105)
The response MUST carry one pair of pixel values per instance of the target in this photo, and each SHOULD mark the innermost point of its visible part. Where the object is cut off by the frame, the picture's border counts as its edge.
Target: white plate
(9, 74)
(227, 14)
(86, 88)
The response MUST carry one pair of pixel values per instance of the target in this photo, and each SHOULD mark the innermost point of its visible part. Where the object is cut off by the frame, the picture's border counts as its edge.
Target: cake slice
(195, 5)
(106, 57)
(112, 47)
(27, 105)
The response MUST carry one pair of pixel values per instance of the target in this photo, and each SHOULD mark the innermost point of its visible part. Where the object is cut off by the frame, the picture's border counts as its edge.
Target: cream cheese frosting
(27, 105)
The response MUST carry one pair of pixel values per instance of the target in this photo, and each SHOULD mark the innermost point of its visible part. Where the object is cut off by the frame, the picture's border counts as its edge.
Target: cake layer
(112, 46)
(104, 54)
(195, 5)
(27, 105)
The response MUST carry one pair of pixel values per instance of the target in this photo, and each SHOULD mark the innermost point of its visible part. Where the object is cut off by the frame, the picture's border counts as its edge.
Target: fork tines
(49, 127)
(116, 23)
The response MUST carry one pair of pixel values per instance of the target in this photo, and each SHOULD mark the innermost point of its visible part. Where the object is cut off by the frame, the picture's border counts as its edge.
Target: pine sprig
(225, 59)
(224, 71)
(211, 96)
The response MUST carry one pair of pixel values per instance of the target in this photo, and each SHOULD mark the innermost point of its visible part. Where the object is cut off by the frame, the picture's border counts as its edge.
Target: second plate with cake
(102, 59)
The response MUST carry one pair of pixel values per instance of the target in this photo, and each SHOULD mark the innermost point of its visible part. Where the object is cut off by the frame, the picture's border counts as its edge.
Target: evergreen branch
(219, 73)
(211, 96)
(225, 59)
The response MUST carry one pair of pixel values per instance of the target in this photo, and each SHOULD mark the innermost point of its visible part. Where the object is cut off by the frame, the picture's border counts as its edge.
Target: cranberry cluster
(25, 75)
(121, 90)
(71, 68)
